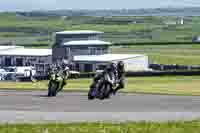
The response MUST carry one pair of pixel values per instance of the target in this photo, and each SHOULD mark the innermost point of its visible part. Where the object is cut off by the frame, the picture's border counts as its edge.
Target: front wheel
(92, 92)
(102, 91)
(106, 91)
(52, 89)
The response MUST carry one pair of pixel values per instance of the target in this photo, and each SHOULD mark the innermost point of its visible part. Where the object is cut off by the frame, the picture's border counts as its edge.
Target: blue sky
(27, 5)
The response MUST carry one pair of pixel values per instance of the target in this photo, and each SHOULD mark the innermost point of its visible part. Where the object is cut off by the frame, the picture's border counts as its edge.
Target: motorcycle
(54, 85)
(94, 91)
(102, 88)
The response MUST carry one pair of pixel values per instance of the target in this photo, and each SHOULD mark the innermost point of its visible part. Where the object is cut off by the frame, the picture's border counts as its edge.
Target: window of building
(8, 61)
(77, 67)
(92, 50)
(19, 62)
(88, 67)
(101, 67)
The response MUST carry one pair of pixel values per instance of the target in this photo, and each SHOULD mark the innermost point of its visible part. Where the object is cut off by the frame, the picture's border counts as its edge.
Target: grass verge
(176, 85)
(186, 54)
(128, 127)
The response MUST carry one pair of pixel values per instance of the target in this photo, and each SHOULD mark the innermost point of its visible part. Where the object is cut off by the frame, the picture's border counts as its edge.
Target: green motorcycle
(56, 83)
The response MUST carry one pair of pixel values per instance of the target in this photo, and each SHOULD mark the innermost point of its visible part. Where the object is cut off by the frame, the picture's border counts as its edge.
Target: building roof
(27, 52)
(86, 42)
(9, 47)
(79, 32)
(105, 57)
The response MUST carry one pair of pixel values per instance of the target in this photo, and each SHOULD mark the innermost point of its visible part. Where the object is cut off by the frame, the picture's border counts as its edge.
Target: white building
(2, 48)
(20, 56)
(70, 43)
(87, 52)
(82, 49)
(133, 62)
(65, 36)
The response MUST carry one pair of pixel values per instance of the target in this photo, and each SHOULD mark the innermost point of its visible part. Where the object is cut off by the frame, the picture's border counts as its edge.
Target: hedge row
(152, 73)
(133, 74)
(119, 44)
(153, 43)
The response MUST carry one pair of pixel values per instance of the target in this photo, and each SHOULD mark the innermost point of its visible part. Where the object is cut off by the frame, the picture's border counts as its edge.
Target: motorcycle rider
(52, 74)
(58, 75)
(120, 76)
(63, 74)
(111, 67)
(109, 74)
(112, 73)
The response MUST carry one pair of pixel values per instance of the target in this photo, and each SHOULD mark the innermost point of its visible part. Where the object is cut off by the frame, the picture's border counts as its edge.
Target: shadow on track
(41, 95)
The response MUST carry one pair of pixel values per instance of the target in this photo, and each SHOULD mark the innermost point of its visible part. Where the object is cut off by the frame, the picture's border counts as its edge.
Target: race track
(34, 106)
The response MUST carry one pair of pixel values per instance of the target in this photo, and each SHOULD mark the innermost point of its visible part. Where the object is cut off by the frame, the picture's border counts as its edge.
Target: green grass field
(128, 127)
(177, 85)
(117, 29)
(37, 32)
(165, 54)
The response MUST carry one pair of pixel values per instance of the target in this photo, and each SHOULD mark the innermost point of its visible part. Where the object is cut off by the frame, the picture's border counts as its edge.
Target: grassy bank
(20, 27)
(178, 85)
(165, 54)
(129, 127)
(37, 31)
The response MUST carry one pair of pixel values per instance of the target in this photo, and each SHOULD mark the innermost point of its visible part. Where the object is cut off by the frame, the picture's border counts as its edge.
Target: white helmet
(66, 68)
(65, 61)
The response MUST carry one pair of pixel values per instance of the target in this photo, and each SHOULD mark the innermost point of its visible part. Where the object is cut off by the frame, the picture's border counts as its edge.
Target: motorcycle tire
(49, 89)
(107, 91)
(52, 89)
(101, 95)
(91, 94)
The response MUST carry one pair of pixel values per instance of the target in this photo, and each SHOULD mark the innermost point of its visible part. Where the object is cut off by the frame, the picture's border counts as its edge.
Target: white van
(25, 71)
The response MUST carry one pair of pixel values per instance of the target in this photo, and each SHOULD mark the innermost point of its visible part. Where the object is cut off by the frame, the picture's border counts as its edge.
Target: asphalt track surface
(35, 106)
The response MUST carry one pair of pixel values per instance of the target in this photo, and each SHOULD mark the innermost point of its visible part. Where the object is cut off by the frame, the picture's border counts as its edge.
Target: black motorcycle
(101, 89)
(94, 90)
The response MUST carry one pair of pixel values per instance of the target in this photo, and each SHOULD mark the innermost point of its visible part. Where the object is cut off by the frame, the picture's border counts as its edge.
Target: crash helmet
(54, 70)
(113, 66)
(58, 67)
(66, 69)
(120, 65)
(53, 66)
(62, 66)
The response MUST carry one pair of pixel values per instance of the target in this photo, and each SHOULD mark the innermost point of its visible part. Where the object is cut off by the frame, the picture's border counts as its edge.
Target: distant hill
(189, 11)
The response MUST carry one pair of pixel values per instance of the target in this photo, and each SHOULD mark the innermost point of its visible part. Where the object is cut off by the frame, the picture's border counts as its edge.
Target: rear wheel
(61, 87)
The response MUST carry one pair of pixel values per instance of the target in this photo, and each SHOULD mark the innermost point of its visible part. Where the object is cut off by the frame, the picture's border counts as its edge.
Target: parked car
(2, 71)
(74, 74)
(2, 74)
